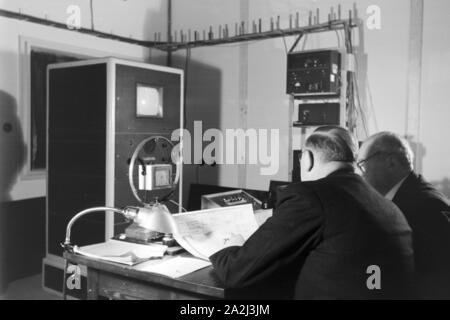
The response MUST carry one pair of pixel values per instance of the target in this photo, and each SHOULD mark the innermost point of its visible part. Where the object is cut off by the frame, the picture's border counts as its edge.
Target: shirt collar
(391, 194)
(345, 170)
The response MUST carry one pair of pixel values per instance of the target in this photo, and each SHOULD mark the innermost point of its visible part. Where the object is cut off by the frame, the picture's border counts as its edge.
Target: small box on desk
(229, 199)
(140, 234)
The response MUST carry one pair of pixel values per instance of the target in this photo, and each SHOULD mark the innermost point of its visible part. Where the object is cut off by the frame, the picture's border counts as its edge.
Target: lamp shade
(156, 218)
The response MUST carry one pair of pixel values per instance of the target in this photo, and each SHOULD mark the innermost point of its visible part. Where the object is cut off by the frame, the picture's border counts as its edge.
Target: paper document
(174, 267)
(122, 252)
(203, 233)
(262, 216)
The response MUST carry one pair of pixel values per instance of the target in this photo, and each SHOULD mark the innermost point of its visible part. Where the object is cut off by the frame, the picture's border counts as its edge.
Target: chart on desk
(203, 233)
(122, 252)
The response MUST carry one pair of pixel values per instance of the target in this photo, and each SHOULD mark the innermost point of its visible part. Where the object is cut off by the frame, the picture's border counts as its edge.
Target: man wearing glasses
(326, 234)
(386, 162)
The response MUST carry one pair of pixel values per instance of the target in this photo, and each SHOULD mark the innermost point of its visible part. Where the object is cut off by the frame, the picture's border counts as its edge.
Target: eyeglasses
(361, 164)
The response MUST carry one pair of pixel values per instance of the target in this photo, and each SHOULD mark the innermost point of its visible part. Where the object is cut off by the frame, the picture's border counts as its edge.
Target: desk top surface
(202, 282)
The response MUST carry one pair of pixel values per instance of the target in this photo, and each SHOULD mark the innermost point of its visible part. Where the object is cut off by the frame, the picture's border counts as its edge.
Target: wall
(138, 19)
(382, 68)
(261, 68)
(213, 82)
(435, 110)
(22, 221)
(227, 79)
(23, 239)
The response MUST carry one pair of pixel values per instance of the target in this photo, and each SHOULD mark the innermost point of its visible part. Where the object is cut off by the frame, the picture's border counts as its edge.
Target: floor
(28, 289)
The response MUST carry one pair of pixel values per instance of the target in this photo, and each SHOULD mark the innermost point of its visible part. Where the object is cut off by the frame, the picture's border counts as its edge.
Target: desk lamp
(156, 217)
(153, 215)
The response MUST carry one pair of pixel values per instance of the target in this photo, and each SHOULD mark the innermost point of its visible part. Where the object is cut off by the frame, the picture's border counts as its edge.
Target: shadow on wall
(12, 146)
(203, 103)
(12, 159)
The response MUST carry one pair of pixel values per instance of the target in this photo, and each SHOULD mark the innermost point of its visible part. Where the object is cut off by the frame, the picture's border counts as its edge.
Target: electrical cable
(352, 111)
(231, 45)
(64, 290)
(372, 106)
(186, 72)
(178, 205)
(284, 41)
(366, 128)
(356, 93)
(166, 198)
(67, 243)
(296, 42)
(338, 38)
(362, 111)
(304, 42)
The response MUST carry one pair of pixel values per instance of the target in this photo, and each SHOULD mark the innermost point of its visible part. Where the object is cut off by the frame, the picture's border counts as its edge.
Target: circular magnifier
(161, 165)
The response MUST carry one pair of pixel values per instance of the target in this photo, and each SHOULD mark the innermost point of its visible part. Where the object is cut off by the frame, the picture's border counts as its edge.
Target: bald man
(386, 162)
(327, 235)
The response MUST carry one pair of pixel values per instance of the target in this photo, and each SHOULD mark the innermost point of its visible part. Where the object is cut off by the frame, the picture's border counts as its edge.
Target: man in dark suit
(386, 161)
(331, 236)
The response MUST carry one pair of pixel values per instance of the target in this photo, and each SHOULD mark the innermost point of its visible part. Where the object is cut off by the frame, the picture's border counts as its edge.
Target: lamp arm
(128, 212)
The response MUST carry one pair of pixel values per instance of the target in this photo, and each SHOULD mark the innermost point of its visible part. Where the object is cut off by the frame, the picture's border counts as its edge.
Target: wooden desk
(117, 281)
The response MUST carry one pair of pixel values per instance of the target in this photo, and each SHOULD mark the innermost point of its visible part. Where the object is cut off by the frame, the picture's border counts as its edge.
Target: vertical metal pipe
(169, 32)
(414, 87)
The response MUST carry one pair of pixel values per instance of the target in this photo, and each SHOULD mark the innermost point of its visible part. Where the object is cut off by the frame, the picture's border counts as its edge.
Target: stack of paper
(262, 216)
(173, 267)
(122, 252)
(203, 233)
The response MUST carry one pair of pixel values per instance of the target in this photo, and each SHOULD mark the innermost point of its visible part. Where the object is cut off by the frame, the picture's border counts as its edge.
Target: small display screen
(155, 177)
(162, 177)
(149, 101)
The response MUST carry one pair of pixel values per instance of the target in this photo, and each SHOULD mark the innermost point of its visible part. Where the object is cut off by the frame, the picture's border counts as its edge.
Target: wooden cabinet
(93, 129)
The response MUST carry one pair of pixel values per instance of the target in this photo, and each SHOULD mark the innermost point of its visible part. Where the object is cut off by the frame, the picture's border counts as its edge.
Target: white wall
(435, 111)
(138, 19)
(213, 79)
(383, 57)
(227, 79)
(264, 65)
(384, 72)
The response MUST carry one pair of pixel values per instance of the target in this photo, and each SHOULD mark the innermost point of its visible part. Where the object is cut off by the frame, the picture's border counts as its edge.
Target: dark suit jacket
(427, 212)
(320, 242)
